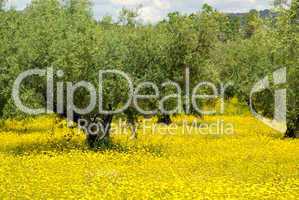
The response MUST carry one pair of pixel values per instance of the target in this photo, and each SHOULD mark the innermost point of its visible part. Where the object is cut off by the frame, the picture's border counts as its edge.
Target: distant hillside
(263, 13)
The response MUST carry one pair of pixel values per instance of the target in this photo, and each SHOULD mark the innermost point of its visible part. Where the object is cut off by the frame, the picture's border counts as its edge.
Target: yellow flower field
(42, 159)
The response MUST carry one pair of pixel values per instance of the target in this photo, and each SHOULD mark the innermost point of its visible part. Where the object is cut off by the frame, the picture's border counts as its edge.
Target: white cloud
(151, 11)
(162, 4)
(150, 14)
(126, 2)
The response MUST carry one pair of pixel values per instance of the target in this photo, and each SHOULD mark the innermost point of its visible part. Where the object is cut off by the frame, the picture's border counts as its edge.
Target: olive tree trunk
(293, 129)
(164, 119)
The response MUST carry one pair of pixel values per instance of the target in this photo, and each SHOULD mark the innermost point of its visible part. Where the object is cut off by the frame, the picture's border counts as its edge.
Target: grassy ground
(42, 159)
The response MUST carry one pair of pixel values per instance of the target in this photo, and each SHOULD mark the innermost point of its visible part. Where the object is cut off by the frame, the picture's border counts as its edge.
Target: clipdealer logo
(279, 121)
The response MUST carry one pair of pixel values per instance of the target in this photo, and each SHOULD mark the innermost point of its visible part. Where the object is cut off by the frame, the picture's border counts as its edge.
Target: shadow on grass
(57, 146)
(24, 131)
(153, 149)
(65, 146)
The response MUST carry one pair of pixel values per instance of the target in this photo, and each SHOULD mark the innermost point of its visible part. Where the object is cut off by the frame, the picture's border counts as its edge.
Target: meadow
(60, 57)
(41, 158)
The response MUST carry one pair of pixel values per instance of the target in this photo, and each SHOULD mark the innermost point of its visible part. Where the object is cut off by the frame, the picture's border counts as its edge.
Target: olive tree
(286, 54)
(272, 46)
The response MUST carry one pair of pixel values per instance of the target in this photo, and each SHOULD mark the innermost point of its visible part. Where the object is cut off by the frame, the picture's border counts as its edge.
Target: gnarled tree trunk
(132, 121)
(293, 129)
(164, 119)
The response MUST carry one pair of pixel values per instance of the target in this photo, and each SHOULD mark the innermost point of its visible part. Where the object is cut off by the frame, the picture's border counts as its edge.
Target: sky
(155, 10)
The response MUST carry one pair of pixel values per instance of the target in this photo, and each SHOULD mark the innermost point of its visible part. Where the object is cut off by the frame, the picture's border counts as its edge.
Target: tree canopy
(212, 45)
